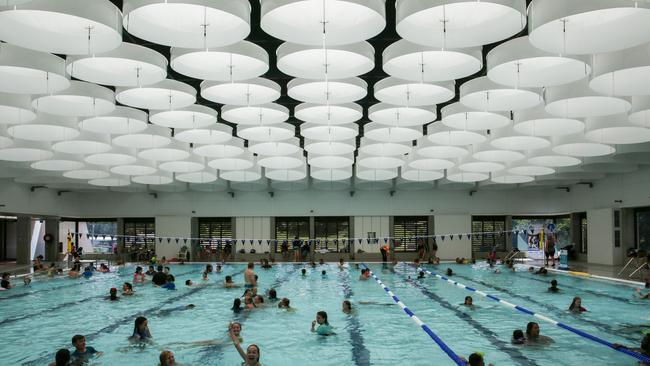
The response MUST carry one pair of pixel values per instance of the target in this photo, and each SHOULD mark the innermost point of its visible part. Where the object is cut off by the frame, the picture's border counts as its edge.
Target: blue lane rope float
(523, 310)
(419, 322)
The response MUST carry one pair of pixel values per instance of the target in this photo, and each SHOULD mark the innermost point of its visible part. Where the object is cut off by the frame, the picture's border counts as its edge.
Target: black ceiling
(270, 44)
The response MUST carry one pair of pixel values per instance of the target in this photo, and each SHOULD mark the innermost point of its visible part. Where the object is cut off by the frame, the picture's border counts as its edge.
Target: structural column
(23, 240)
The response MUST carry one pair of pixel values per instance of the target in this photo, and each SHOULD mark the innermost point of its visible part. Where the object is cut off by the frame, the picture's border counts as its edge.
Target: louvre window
(140, 234)
(485, 235)
(214, 230)
(287, 228)
(330, 232)
(407, 231)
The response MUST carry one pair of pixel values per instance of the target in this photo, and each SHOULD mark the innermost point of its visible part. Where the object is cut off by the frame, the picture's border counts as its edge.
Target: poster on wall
(535, 244)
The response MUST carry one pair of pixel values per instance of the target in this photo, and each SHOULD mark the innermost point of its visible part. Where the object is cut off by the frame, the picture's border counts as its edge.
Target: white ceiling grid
(79, 106)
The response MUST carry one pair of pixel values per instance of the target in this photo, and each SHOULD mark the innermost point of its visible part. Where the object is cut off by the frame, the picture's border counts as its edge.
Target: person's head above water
(273, 294)
(518, 337)
(468, 300)
(188, 283)
(140, 325)
(421, 274)
(476, 359)
(79, 342)
(228, 279)
(554, 283)
(532, 330)
(284, 303)
(236, 304)
(253, 354)
(321, 318)
(449, 272)
(323, 272)
(347, 306)
(62, 357)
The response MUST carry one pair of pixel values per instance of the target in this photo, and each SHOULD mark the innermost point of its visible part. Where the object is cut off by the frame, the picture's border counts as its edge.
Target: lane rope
(544, 318)
(419, 322)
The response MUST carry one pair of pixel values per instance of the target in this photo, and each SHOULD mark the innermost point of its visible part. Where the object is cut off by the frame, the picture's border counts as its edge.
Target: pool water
(37, 320)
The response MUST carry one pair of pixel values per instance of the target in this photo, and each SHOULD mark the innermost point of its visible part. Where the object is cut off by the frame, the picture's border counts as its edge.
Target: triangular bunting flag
(385, 240)
(326, 241)
(336, 241)
(177, 239)
(469, 236)
(317, 241)
(442, 237)
(251, 241)
(451, 237)
(169, 240)
(259, 241)
(184, 240)
(87, 236)
(360, 240)
(160, 240)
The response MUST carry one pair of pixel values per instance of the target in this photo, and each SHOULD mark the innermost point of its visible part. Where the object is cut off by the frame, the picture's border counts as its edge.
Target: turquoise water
(37, 320)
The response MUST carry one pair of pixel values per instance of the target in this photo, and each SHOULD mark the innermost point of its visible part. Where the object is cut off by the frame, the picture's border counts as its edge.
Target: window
(140, 235)
(642, 228)
(214, 229)
(407, 230)
(330, 231)
(287, 228)
(562, 227)
(491, 226)
(93, 236)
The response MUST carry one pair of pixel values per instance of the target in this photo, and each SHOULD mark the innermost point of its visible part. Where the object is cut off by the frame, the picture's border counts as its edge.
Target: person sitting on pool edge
(576, 305)
(82, 353)
(324, 327)
(553, 287)
(252, 355)
(141, 331)
(518, 337)
(533, 336)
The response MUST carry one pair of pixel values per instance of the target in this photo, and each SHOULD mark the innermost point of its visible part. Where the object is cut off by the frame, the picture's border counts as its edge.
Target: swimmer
(640, 295)
(323, 273)
(576, 305)
(252, 355)
(450, 272)
(644, 349)
(249, 276)
(363, 276)
(265, 264)
(533, 336)
(249, 304)
(151, 271)
(284, 304)
(62, 358)
(141, 331)
(113, 294)
(236, 305)
(75, 271)
(347, 307)
(138, 276)
(208, 268)
(476, 359)
(82, 353)
(160, 277)
(87, 273)
(321, 262)
(518, 337)
(189, 283)
(553, 287)
(542, 271)
(170, 285)
(27, 280)
(468, 301)
(531, 269)
(5, 284)
(341, 263)
(205, 276)
(228, 283)
(234, 328)
(273, 295)
(127, 289)
(167, 358)
(421, 275)
(103, 268)
(258, 300)
(324, 328)
(304, 272)
(218, 268)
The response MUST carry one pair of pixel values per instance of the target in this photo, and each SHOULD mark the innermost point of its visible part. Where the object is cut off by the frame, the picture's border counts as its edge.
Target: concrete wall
(253, 228)
(453, 224)
(366, 224)
(173, 227)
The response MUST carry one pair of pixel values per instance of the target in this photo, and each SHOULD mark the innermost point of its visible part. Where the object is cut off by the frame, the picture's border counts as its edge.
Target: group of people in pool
(252, 300)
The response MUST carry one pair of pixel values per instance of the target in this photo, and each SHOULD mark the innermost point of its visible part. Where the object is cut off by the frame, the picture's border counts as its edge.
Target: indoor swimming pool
(39, 319)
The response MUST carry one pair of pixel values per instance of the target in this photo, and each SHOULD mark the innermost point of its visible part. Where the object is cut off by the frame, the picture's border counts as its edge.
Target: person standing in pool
(82, 353)
(533, 336)
(249, 276)
(62, 358)
(138, 276)
(141, 331)
(469, 302)
(167, 358)
(324, 327)
(553, 287)
(252, 355)
(576, 305)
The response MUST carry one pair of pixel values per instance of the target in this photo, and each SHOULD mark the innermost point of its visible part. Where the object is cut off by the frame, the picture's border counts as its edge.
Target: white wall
(600, 236)
(367, 224)
(253, 228)
(173, 227)
(453, 224)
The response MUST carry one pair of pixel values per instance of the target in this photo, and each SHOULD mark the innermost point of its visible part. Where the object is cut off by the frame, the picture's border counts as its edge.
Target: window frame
(406, 242)
(213, 242)
(483, 246)
(333, 243)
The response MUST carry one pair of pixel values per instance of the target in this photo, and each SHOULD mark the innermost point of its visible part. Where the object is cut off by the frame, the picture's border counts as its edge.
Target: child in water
(324, 328)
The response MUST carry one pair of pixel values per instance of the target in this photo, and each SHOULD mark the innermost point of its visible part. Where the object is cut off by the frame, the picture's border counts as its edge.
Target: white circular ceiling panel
(167, 94)
(240, 61)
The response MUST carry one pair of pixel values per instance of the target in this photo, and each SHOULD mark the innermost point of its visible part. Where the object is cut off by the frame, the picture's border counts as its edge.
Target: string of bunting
(384, 240)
